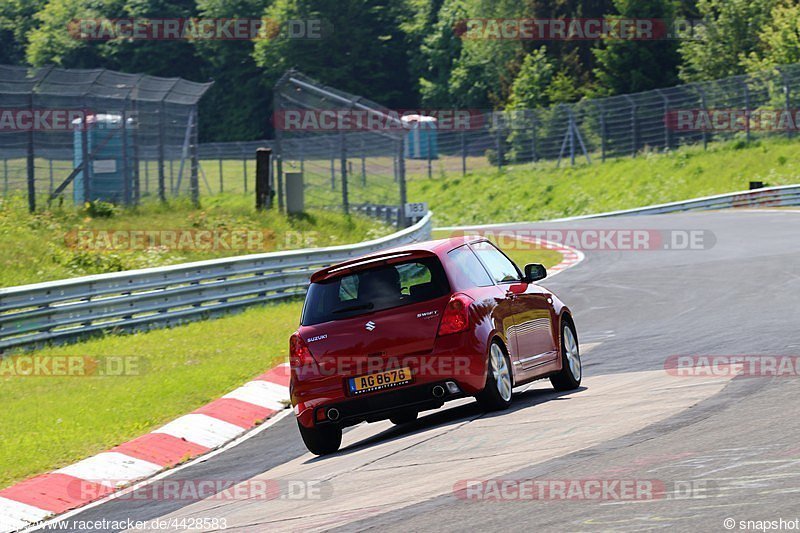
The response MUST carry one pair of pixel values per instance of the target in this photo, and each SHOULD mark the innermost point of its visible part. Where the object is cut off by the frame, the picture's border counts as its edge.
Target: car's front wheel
(496, 395)
(321, 440)
(571, 369)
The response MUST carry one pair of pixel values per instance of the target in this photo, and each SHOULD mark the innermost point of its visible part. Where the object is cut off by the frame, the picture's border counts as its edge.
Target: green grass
(540, 191)
(39, 247)
(50, 422)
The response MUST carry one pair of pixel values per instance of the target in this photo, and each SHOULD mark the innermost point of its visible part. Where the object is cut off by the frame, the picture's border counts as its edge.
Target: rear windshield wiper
(355, 307)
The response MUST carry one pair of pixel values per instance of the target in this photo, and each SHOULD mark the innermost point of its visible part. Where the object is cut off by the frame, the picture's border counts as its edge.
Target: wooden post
(264, 192)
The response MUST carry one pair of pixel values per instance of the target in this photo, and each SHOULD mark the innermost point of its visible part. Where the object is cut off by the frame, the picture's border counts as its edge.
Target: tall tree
(634, 65)
(728, 36)
(364, 49)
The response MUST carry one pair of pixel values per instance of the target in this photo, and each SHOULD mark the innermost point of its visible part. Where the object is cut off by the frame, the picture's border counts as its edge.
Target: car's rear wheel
(404, 417)
(321, 440)
(571, 368)
(496, 394)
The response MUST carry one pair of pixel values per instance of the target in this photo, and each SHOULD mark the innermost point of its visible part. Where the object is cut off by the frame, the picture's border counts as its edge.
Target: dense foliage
(409, 53)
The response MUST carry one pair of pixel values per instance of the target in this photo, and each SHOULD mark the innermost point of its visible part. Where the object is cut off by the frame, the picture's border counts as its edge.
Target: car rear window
(375, 289)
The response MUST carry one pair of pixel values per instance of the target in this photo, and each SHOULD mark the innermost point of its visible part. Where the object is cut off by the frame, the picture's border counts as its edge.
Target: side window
(499, 266)
(468, 270)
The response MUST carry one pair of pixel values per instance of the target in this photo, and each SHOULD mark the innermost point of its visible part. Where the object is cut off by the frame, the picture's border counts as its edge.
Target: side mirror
(534, 272)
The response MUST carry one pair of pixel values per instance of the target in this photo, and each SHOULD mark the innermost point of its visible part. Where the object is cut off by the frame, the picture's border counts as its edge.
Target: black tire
(566, 378)
(491, 398)
(321, 440)
(404, 417)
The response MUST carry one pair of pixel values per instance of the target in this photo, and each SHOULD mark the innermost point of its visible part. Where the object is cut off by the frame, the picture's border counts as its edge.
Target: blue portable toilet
(107, 170)
(421, 139)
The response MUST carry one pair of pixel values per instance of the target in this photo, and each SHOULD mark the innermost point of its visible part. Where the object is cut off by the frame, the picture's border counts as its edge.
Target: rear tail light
(300, 358)
(456, 315)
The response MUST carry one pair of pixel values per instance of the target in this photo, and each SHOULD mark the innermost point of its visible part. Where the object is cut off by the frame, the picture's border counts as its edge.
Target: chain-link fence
(97, 135)
(347, 164)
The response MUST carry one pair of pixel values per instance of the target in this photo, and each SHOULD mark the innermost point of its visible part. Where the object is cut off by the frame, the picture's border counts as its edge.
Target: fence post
(634, 127)
(704, 107)
(244, 166)
(787, 99)
(430, 160)
(126, 183)
(5, 177)
(603, 132)
(363, 163)
(31, 165)
(264, 192)
(746, 109)
(194, 181)
(137, 178)
(162, 186)
(463, 153)
(87, 165)
(571, 137)
(146, 176)
(665, 120)
(498, 142)
(343, 161)
(534, 156)
(221, 180)
(401, 171)
(50, 164)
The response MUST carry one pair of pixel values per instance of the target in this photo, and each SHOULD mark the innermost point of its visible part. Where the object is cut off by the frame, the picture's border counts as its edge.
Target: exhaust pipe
(438, 391)
(333, 414)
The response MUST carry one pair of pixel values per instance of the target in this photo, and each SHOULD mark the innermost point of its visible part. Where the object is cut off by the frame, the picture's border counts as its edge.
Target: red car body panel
(525, 317)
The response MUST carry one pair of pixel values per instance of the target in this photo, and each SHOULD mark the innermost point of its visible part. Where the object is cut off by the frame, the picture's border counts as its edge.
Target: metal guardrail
(66, 310)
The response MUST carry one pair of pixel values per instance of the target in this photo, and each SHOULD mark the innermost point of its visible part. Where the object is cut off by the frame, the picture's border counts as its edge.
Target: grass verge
(541, 191)
(46, 245)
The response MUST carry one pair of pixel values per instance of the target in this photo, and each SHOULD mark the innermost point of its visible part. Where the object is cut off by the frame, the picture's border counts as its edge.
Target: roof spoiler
(362, 263)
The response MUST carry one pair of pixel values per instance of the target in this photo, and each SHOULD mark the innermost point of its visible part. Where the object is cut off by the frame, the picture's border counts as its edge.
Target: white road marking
(111, 469)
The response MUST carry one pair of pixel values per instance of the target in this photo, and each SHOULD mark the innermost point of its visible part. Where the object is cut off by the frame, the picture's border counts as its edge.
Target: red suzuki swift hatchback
(406, 330)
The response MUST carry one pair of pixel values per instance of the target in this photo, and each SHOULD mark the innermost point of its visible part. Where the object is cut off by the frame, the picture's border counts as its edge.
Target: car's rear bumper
(371, 408)
(460, 359)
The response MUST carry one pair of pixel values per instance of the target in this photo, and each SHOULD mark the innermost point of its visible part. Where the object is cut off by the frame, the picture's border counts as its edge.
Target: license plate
(381, 380)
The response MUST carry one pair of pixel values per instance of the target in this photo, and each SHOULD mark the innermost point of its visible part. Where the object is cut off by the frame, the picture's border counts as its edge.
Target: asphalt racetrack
(717, 446)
